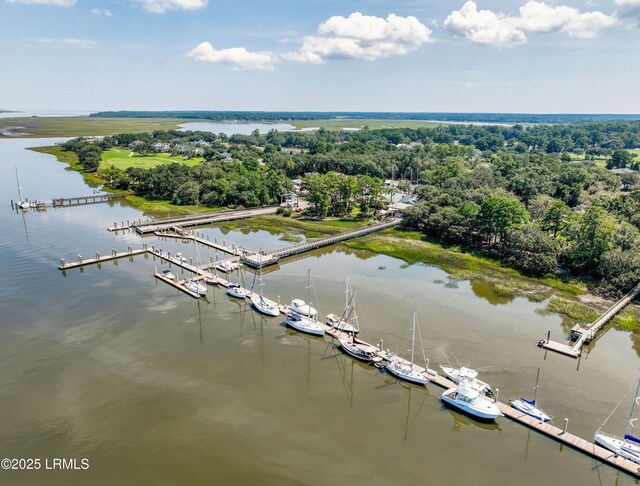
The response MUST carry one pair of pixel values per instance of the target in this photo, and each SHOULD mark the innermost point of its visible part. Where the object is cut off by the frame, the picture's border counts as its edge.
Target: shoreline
(569, 298)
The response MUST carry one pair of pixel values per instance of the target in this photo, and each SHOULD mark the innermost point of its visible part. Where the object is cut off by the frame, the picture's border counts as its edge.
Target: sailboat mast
(19, 188)
(535, 390)
(346, 294)
(413, 337)
(309, 294)
(633, 406)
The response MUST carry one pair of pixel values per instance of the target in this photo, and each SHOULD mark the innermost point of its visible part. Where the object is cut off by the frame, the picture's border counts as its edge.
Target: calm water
(156, 388)
(231, 128)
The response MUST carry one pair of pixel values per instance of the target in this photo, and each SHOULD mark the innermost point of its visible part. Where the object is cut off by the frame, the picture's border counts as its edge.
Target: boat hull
(622, 447)
(403, 372)
(483, 410)
(357, 351)
(237, 292)
(264, 308)
(305, 325)
(525, 407)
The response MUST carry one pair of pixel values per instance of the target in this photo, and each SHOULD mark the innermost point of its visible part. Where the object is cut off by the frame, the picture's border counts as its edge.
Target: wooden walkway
(202, 219)
(61, 202)
(584, 335)
(259, 260)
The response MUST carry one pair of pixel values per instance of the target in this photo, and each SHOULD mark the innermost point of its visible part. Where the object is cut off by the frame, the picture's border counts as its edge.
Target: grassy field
(122, 159)
(77, 126)
(347, 123)
(290, 227)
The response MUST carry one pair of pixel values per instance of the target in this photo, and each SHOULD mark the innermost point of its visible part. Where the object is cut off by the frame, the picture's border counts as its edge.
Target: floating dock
(584, 335)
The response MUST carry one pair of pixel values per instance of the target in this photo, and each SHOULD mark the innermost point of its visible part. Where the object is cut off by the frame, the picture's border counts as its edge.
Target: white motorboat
(463, 373)
(529, 407)
(304, 322)
(236, 291)
(168, 274)
(466, 398)
(265, 307)
(627, 446)
(195, 287)
(299, 306)
(359, 349)
(227, 266)
(405, 370)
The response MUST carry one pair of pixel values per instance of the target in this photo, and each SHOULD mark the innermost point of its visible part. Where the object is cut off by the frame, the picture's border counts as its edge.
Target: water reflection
(460, 421)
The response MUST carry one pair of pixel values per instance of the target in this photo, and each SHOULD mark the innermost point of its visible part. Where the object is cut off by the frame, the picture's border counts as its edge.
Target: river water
(153, 387)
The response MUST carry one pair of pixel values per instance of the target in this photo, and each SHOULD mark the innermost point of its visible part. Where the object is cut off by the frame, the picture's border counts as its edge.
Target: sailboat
(236, 290)
(195, 286)
(529, 406)
(627, 446)
(261, 305)
(22, 202)
(404, 371)
(341, 322)
(356, 348)
(305, 323)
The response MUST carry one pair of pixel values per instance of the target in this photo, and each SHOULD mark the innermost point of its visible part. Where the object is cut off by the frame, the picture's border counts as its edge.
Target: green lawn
(122, 159)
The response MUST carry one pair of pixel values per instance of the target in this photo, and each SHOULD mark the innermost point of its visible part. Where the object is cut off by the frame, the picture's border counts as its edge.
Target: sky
(522, 56)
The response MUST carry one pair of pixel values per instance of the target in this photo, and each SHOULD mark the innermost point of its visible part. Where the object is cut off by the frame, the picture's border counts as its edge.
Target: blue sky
(556, 56)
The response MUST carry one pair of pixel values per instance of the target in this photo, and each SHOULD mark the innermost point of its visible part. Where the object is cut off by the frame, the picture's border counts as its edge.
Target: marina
(381, 357)
(213, 370)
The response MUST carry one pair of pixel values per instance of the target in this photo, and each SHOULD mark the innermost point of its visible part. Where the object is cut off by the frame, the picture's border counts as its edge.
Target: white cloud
(236, 57)
(101, 11)
(56, 3)
(498, 29)
(484, 26)
(361, 37)
(84, 43)
(161, 6)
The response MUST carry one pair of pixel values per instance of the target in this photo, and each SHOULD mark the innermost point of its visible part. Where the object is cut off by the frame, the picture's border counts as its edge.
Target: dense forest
(273, 116)
(516, 193)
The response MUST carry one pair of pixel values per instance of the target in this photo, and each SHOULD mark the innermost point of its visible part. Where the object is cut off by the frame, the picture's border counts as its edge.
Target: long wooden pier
(202, 219)
(584, 335)
(259, 260)
(114, 255)
(60, 202)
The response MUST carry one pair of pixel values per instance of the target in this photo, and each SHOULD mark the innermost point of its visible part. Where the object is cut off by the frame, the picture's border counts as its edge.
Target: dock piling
(495, 398)
(566, 424)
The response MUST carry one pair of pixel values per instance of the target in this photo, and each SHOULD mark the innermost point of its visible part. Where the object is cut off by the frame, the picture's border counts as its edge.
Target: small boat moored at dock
(359, 349)
(627, 446)
(168, 274)
(529, 407)
(265, 307)
(236, 291)
(304, 322)
(195, 287)
(457, 375)
(299, 306)
(405, 370)
(466, 398)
